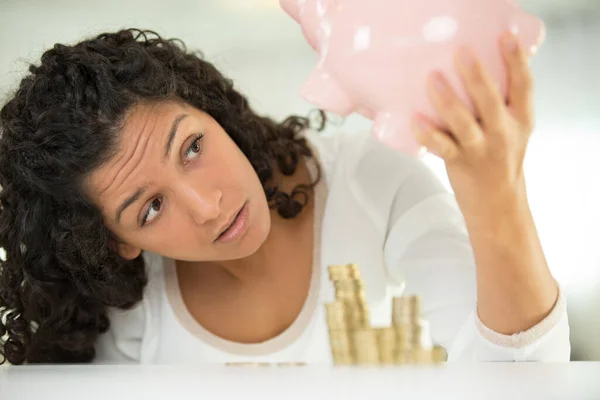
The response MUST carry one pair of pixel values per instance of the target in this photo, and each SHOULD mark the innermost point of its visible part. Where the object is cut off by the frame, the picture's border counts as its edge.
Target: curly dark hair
(59, 273)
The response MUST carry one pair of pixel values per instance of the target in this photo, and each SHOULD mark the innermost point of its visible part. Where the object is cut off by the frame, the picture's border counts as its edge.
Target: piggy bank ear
(292, 8)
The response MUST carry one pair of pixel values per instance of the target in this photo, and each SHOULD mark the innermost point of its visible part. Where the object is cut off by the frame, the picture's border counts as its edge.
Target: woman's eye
(195, 149)
(152, 211)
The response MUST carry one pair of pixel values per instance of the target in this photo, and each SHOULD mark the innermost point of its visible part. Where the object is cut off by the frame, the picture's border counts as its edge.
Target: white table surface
(573, 381)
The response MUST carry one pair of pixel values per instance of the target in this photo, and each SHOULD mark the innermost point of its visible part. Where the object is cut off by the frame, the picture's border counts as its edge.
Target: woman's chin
(254, 240)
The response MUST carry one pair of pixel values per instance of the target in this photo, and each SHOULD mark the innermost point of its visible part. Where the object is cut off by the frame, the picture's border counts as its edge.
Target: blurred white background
(263, 50)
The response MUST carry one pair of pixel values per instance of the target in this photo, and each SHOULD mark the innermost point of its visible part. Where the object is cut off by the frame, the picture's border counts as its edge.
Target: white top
(382, 210)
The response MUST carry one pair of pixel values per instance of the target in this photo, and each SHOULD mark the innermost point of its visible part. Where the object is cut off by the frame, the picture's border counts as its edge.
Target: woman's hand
(484, 159)
(483, 152)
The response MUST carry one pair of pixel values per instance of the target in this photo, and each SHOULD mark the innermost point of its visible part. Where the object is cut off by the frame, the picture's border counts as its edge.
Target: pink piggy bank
(375, 55)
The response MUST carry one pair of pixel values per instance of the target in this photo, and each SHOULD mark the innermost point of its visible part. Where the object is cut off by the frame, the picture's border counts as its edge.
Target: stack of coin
(354, 341)
(386, 344)
(406, 322)
(343, 271)
(406, 310)
(338, 334)
(364, 346)
(349, 292)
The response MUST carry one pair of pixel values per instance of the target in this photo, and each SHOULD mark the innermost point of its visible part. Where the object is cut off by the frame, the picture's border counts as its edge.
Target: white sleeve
(122, 343)
(427, 247)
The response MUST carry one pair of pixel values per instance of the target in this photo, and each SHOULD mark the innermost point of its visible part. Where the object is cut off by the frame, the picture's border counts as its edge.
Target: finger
(436, 141)
(520, 93)
(480, 86)
(453, 112)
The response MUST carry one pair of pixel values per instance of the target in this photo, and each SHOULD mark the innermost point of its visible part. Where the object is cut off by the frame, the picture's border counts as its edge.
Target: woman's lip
(237, 227)
(230, 222)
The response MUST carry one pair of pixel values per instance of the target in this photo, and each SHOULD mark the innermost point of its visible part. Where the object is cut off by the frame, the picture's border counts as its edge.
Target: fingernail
(466, 57)
(510, 42)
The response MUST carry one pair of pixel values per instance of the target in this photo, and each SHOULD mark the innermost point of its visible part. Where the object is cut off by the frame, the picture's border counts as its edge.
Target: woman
(150, 216)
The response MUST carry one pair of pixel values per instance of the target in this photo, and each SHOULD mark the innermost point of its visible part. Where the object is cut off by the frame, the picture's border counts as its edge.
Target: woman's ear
(128, 251)
(123, 249)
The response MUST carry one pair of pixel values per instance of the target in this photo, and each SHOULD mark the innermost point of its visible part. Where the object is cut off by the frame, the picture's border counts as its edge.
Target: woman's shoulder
(123, 341)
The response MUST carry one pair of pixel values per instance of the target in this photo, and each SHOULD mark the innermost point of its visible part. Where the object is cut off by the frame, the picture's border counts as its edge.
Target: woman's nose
(203, 203)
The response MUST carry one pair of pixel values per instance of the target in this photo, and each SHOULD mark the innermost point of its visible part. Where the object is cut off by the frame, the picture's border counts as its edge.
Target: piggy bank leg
(530, 30)
(322, 90)
(394, 130)
(292, 8)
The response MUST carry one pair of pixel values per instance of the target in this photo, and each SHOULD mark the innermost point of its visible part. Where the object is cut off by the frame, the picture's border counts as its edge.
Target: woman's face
(176, 182)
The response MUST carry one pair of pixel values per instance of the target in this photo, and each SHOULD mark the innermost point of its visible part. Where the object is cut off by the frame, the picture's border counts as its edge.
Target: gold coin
(357, 325)
(385, 333)
(415, 335)
(291, 364)
(406, 309)
(364, 345)
(345, 271)
(356, 318)
(403, 357)
(343, 268)
(339, 340)
(439, 354)
(386, 342)
(349, 284)
(401, 332)
(335, 309)
(421, 355)
(248, 364)
(335, 315)
(351, 293)
(344, 296)
(355, 306)
(341, 351)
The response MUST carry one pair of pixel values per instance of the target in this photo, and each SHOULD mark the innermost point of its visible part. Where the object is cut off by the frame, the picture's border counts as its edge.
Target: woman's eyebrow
(129, 201)
(172, 133)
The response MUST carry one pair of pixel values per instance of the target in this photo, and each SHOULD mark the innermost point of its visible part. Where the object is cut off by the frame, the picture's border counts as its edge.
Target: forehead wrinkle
(133, 157)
